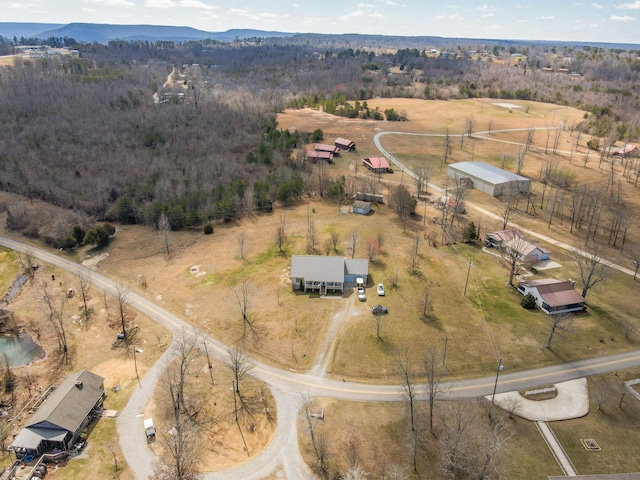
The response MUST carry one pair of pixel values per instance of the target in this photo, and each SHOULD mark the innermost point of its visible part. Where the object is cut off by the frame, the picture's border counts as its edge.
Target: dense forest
(119, 134)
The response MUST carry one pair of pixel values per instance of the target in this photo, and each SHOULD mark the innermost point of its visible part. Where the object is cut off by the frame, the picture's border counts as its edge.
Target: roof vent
(79, 385)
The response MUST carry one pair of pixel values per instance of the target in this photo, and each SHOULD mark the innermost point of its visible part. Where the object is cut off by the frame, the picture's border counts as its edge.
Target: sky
(566, 20)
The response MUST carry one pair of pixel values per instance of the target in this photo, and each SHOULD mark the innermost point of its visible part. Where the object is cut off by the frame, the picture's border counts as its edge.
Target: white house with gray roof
(326, 274)
(488, 179)
(61, 418)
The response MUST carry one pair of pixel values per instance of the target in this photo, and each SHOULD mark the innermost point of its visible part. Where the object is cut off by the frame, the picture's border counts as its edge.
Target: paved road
(287, 387)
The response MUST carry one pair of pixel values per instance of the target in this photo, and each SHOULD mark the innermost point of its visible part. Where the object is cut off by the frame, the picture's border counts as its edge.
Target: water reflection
(20, 350)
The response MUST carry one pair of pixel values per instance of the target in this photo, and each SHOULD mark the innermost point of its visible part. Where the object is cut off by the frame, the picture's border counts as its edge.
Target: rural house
(363, 208)
(376, 164)
(344, 144)
(326, 274)
(553, 296)
(63, 415)
(627, 151)
(323, 147)
(488, 179)
(314, 156)
(513, 241)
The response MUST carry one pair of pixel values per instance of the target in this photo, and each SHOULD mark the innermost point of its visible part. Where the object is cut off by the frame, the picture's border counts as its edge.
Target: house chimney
(573, 282)
(79, 385)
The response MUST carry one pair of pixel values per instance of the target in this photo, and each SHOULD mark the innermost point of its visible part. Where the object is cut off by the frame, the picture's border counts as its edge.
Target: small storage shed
(344, 144)
(489, 179)
(361, 207)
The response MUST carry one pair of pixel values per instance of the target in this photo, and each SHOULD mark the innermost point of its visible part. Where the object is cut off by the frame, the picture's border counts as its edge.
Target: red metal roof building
(376, 164)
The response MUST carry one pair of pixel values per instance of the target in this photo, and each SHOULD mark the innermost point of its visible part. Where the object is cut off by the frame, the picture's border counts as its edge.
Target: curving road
(288, 387)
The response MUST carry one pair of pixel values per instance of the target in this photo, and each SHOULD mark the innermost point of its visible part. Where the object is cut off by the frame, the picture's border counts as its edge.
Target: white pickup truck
(149, 430)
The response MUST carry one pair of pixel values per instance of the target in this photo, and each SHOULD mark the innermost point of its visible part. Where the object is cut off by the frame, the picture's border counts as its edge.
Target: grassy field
(205, 275)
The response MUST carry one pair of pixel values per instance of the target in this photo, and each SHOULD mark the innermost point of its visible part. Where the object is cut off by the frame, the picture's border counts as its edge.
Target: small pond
(20, 350)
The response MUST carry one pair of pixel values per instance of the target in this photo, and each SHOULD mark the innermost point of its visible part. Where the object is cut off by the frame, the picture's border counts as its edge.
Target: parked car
(361, 295)
(380, 290)
(149, 430)
(379, 310)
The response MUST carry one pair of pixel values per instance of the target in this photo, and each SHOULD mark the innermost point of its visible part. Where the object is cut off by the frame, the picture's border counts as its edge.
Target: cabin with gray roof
(326, 274)
(62, 416)
(488, 179)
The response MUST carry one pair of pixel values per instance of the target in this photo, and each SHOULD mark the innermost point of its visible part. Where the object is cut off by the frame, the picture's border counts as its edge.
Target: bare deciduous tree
(414, 255)
(241, 238)
(335, 239)
(121, 293)
(513, 251)
(164, 227)
(434, 370)
(318, 440)
(55, 315)
(591, 265)
(352, 242)
(243, 297)
(635, 259)
(312, 237)
(402, 369)
(560, 322)
(281, 232)
(28, 264)
(425, 303)
(84, 287)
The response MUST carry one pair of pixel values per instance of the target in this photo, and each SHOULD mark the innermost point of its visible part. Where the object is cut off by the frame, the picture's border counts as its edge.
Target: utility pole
(209, 363)
(467, 281)
(495, 386)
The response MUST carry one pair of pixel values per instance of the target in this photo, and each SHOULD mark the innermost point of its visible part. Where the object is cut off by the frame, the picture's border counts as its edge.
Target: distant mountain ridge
(103, 33)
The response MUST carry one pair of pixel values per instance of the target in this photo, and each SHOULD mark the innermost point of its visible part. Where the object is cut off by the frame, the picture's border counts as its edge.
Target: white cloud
(160, 3)
(483, 8)
(625, 18)
(630, 6)
(546, 17)
(365, 5)
(113, 3)
(485, 15)
(597, 5)
(390, 2)
(196, 4)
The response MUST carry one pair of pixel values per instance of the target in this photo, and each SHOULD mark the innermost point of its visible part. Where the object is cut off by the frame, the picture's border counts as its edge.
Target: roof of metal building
(486, 172)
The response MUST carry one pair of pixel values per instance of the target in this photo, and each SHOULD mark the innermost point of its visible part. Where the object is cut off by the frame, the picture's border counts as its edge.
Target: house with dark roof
(61, 418)
(554, 296)
(326, 274)
(323, 147)
(344, 144)
(512, 240)
(376, 164)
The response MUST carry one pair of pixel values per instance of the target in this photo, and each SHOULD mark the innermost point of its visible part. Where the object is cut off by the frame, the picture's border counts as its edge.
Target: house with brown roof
(314, 156)
(323, 147)
(344, 144)
(62, 416)
(554, 296)
(376, 164)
